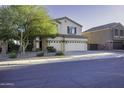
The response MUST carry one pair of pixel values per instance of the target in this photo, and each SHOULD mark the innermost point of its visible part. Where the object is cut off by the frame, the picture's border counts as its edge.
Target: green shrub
(38, 49)
(51, 49)
(12, 47)
(12, 55)
(59, 53)
(29, 47)
(14, 51)
(40, 54)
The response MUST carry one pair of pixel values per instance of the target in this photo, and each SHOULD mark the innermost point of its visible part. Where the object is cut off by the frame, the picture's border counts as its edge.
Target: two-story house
(69, 36)
(109, 36)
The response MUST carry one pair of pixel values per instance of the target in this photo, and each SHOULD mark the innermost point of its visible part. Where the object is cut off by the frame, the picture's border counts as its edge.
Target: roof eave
(90, 31)
(69, 19)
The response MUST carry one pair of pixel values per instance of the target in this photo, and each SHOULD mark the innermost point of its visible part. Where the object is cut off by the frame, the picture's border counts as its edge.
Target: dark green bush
(40, 54)
(12, 55)
(29, 47)
(51, 49)
(13, 47)
(59, 53)
(38, 49)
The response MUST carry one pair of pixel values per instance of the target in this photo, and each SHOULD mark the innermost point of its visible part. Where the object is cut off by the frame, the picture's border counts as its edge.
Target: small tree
(7, 29)
(29, 22)
(32, 21)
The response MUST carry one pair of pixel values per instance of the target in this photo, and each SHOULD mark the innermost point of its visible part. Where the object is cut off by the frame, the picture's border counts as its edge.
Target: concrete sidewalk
(53, 59)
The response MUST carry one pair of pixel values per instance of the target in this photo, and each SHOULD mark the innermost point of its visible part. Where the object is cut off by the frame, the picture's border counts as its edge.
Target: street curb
(43, 60)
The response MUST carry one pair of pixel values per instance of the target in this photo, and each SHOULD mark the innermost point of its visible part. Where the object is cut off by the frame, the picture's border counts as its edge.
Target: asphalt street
(97, 73)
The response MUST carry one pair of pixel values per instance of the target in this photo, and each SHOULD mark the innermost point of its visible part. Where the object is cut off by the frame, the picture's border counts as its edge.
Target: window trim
(71, 30)
(116, 34)
(122, 34)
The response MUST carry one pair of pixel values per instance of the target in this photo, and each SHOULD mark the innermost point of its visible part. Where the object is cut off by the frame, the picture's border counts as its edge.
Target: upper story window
(121, 32)
(116, 32)
(71, 30)
(65, 21)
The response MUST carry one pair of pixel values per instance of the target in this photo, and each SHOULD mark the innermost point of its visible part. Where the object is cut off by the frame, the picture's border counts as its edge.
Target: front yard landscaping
(30, 55)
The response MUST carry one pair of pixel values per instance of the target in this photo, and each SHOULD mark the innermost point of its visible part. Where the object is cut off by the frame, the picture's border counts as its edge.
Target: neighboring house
(109, 36)
(69, 37)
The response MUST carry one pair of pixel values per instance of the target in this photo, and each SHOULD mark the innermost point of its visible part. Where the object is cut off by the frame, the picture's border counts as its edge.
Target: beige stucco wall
(62, 28)
(98, 37)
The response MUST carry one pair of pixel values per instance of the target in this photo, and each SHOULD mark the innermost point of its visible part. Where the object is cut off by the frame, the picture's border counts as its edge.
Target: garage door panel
(75, 46)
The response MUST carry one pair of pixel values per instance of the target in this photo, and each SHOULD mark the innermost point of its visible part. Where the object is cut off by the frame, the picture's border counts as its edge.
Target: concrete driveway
(98, 73)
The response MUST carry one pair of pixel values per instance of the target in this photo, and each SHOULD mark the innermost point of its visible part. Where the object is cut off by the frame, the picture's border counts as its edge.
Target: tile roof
(106, 26)
(57, 19)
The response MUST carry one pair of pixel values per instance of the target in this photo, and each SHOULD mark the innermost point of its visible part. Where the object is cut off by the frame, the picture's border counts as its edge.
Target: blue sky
(88, 15)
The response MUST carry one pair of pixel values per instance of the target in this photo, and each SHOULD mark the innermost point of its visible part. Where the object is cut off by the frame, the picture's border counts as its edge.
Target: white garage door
(75, 46)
